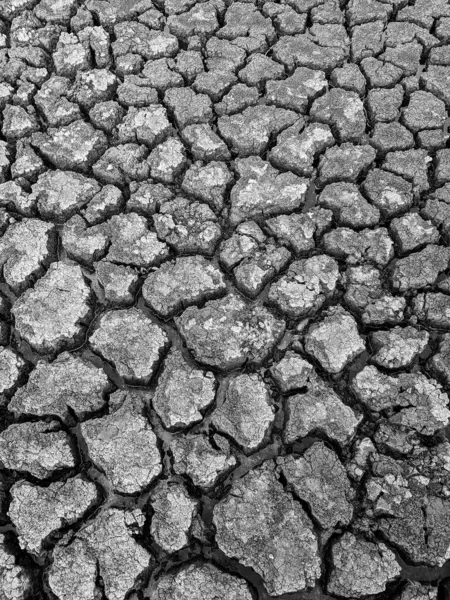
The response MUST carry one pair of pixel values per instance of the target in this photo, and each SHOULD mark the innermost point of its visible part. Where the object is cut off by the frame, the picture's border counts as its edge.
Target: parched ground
(224, 300)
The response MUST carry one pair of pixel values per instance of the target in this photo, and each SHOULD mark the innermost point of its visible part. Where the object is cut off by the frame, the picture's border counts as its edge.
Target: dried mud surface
(224, 300)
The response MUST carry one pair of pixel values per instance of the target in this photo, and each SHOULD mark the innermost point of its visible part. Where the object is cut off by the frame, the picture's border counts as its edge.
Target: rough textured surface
(335, 341)
(249, 133)
(204, 582)
(37, 448)
(24, 248)
(131, 342)
(349, 206)
(16, 581)
(291, 372)
(196, 457)
(65, 386)
(418, 591)
(414, 499)
(306, 286)
(397, 347)
(263, 191)
(37, 511)
(182, 392)
(188, 226)
(189, 280)
(318, 409)
(370, 298)
(11, 369)
(319, 479)
(132, 243)
(106, 544)
(246, 412)
(123, 444)
(172, 518)
(420, 403)
(51, 315)
(267, 530)
(297, 152)
(224, 299)
(119, 282)
(228, 332)
(420, 269)
(60, 194)
(375, 561)
(76, 146)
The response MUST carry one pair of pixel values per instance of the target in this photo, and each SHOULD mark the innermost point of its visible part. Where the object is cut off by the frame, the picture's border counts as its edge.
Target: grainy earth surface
(224, 300)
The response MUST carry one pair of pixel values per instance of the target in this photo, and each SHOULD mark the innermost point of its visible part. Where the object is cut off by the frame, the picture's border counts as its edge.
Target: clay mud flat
(224, 300)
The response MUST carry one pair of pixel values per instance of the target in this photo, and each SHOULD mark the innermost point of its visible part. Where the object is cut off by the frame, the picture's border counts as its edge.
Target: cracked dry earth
(224, 300)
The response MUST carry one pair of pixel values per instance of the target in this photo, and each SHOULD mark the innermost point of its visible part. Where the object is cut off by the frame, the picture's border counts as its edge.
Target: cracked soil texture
(224, 299)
